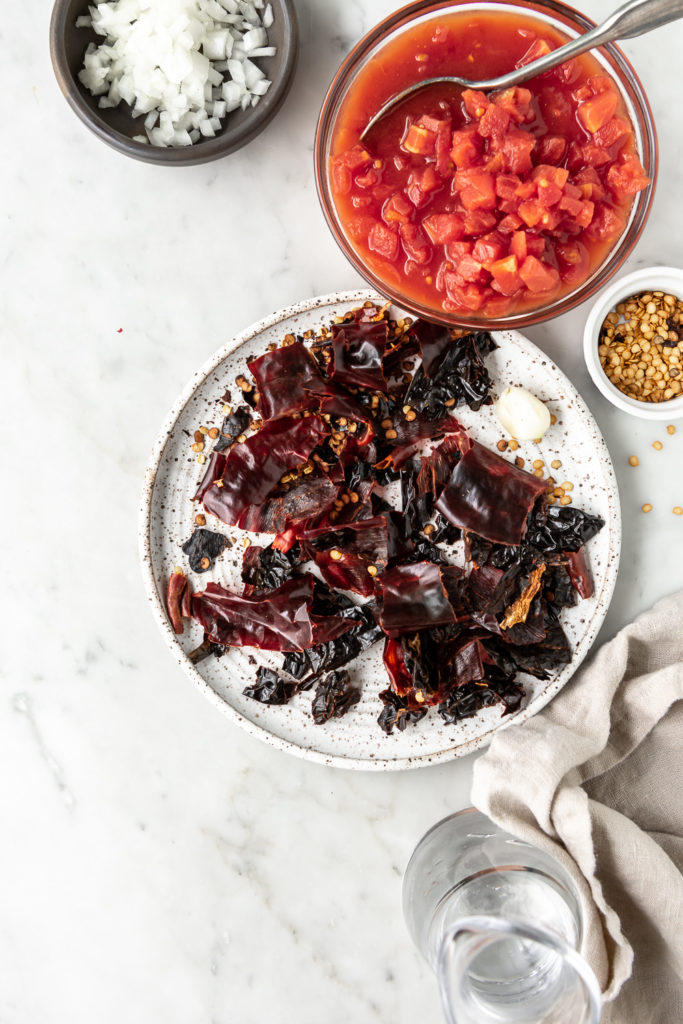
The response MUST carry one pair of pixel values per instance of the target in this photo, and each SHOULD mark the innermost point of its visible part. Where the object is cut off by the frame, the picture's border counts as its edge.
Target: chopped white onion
(183, 64)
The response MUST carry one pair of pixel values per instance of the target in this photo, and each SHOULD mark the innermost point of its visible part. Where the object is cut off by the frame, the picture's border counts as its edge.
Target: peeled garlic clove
(522, 415)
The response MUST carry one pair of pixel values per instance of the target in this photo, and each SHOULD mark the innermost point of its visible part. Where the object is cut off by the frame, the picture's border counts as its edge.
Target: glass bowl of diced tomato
(499, 209)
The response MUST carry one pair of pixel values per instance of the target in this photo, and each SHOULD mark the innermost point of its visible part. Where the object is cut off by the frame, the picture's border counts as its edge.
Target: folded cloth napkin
(596, 779)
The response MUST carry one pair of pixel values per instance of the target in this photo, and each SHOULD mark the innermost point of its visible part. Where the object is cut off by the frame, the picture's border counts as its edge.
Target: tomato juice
(483, 205)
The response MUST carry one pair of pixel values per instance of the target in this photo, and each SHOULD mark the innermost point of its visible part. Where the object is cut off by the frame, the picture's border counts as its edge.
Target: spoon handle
(632, 19)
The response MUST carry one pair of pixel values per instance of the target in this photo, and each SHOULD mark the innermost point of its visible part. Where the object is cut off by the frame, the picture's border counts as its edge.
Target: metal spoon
(632, 19)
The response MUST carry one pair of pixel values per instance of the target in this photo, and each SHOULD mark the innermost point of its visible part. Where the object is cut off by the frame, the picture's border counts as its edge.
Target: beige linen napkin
(596, 779)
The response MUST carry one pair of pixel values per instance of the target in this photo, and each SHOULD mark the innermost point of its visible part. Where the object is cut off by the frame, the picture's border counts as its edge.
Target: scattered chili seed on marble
(671, 429)
(633, 460)
(647, 507)
(658, 445)
(678, 511)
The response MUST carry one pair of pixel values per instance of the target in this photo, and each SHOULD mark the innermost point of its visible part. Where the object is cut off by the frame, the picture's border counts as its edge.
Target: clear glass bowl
(566, 20)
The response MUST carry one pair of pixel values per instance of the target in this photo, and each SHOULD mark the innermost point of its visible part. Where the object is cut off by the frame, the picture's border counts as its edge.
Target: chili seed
(213, 433)
(373, 570)
(677, 510)
(513, 444)
(519, 462)
(391, 435)
(200, 519)
(633, 460)
(657, 445)
(671, 429)
(647, 507)
(335, 554)
(537, 463)
(502, 445)
(566, 500)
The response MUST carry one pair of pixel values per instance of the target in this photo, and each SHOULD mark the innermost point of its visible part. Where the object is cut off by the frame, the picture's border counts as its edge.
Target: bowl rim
(630, 86)
(622, 288)
(227, 141)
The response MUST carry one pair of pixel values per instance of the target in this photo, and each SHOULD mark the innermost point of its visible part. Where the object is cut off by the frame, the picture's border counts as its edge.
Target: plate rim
(261, 732)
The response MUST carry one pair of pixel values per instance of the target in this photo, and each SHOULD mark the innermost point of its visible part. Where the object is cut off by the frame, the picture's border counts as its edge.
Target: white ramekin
(666, 279)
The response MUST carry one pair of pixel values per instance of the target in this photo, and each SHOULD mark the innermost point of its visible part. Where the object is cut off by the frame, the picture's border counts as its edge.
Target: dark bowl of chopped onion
(177, 84)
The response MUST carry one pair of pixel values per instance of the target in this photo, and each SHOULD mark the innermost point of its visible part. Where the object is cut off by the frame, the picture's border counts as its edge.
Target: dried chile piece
(270, 688)
(202, 548)
(489, 496)
(334, 696)
(287, 380)
(397, 712)
(235, 424)
(466, 701)
(561, 528)
(267, 568)
(558, 589)
(357, 352)
(455, 373)
(580, 573)
(518, 611)
(176, 590)
(542, 658)
(282, 620)
(410, 434)
(307, 665)
(309, 496)
(414, 597)
(236, 486)
(352, 557)
(205, 650)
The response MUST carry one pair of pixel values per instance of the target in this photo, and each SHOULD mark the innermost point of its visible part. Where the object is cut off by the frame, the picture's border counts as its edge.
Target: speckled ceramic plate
(356, 741)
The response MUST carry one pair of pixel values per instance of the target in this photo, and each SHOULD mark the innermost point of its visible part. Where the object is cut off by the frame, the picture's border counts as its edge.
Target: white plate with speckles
(356, 741)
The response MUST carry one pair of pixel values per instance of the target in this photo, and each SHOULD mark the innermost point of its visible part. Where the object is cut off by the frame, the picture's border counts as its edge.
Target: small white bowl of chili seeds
(633, 343)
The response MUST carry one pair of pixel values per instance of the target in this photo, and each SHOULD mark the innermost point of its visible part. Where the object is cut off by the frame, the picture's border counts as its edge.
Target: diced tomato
(539, 48)
(368, 178)
(548, 192)
(489, 248)
(518, 147)
(470, 270)
(600, 83)
(476, 189)
(535, 244)
(419, 140)
(571, 206)
(526, 189)
(574, 157)
(584, 218)
(361, 202)
(607, 224)
(495, 163)
(531, 212)
(359, 227)
(507, 185)
(572, 191)
(506, 275)
(455, 251)
(356, 157)
(584, 92)
(568, 72)
(616, 131)
(397, 209)
(595, 156)
(383, 241)
(574, 261)
(511, 222)
(588, 180)
(537, 276)
(518, 245)
(399, 162)
(415, 243)
(516, 102)
(444, 227)
(627, 177)
(494, 123)
(508, 205)
(475, 102)
(444, 164)
(466, 147)
(478, 221)
(551, 149)
(547, 173)
(341, 176)
(470, 297)
(598, 110)
(421, 184)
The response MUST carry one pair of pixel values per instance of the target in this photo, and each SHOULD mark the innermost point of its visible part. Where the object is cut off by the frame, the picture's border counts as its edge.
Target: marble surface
(157, 863)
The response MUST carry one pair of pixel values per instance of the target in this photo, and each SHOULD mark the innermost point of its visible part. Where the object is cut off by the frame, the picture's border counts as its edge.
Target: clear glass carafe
(499, 921)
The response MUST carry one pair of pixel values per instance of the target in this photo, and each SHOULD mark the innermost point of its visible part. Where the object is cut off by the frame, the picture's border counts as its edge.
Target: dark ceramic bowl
(116, 126)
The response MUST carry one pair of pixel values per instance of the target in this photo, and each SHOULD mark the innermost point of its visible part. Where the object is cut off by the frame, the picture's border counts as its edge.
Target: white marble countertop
(159, 864)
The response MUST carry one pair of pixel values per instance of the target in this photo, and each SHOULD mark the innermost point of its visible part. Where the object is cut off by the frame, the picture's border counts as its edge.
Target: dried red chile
(334, 696)
(202, 548)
